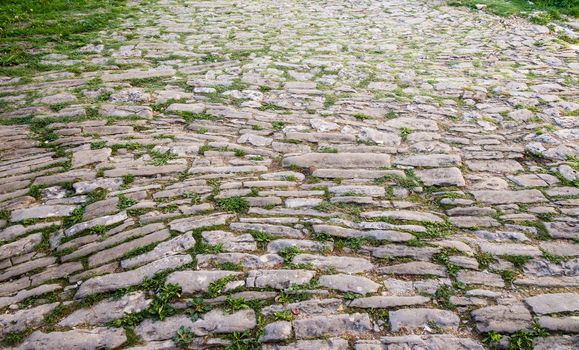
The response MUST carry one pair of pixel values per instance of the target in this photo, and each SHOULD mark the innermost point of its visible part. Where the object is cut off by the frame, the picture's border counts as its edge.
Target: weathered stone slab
(86, 157)
(441, 177)
(276, 230)
(510, 249)
(107, 310)
(115, 281)
(173, 246)
(381, 235)
(23, 294)
(349, 283)
(197, 281)
(430, 342)
(568, 324)
(371, 191)
(146, 170)
(88, 339)
(318, 344)
(215, 322)
(195, 222)
(249, 261)
(502, 318)
(414, 268)
(507, 197)
(277, 279)
(302, 245)
(430, 160)
(483, 278)
(399, 250)
(405, 215)
(411, 319)
(554, 303)
(42, 212)
(23, 319)
(560, 248)
(384, 302)
(276, 331)
(559, 342)
(105, 256)
(338, 160)
(21, 246)
(562, 229)
(494, 166)
(138, 74)
(102, 221)
(229, 241)
(339, 263)
(332, 325)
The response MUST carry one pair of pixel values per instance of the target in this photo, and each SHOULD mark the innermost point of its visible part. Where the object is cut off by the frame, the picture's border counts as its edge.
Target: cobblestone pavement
(295, 175)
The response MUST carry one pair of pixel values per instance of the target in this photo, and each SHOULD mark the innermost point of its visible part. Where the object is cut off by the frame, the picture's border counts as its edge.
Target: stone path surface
(292, 175)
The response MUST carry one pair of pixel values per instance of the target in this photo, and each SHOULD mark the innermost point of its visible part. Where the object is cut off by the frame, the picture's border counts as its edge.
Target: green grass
(553, 8)
(233, 204)
(65, 25)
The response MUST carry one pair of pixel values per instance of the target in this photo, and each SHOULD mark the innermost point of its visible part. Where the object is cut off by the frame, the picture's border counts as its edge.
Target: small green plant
(518, 260)
(127, 180)
(239, 152)
(351, 296)
(14, 338)
(551, 257)
(434, 230)
(159, 159)
(442, 296)
(235, 204)
(409, 180)
(492, 337)
(35, 191)
(264, 88)
(288, 253)
(98, 230)
(329, 101)
(355, 243)
(404, 132)
(190, 117)
(484, 260)
(160, 307)
(326, 149)
(360, 116)
(435, 327)
(98, 194)
(261, 238)
(183, 337)
(235, 304)
(285, 315)
(216, 287)
(196, 307)
(74, 218)
(268, 106)
(523, 339)
(125, 202)
(129, 320)
(508, 276)
(98, 144)
(277, 125)
(443, 259)
(243, 341)
(230, 266)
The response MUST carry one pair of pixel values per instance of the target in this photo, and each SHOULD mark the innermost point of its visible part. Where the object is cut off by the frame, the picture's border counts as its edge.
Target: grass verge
(553, 9)
(30, 26)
